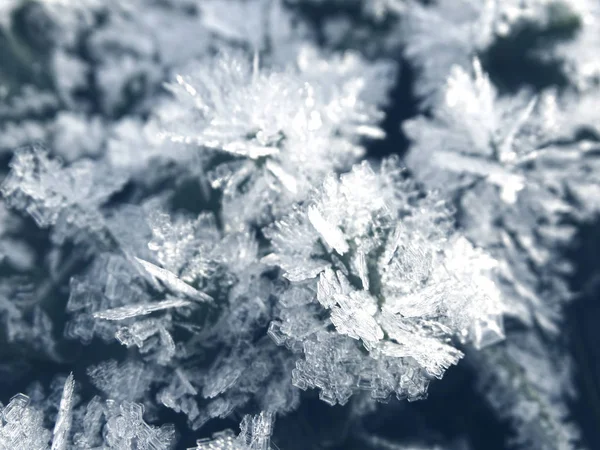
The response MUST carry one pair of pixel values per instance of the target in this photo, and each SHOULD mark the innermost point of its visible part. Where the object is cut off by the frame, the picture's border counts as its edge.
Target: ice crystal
(126, 428)
(267, 124)
(255, 432)
(226, 234)
(22, 425)
(63, 421)
(64, 197)
(128, 381)
(468, 28)
(514, 151)
(517, 166)
(478, 131)
(376, 257)
(120, 426)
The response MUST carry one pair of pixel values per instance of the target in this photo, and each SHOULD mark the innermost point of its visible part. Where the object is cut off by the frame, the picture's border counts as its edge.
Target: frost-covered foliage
(189, 223)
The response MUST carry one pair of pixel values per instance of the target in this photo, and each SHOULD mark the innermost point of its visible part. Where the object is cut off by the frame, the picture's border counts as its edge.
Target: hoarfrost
(424, 286)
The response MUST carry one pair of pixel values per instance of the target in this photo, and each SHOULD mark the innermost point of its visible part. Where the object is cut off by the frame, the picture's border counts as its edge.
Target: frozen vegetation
(196, 234)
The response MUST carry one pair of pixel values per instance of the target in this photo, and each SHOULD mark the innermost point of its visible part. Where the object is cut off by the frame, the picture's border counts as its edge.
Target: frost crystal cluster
(288, 217)
(380, 262)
